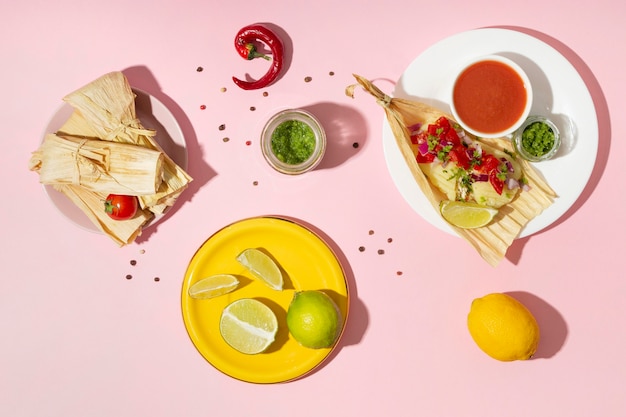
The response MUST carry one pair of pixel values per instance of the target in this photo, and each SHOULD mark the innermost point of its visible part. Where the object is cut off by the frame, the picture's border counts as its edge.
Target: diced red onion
(422, 148)
(509, 166)
(480, 177)
(414, 128)
(478, 150)
(512, 183)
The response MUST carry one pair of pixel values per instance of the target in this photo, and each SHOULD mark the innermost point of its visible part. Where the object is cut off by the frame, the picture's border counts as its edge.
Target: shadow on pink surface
(141, 77)
(358, 316)
(602, 114)
(514, 253)
(345, 129)
(552, 325)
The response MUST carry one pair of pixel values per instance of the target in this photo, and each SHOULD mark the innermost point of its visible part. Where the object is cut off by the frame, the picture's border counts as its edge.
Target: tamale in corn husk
(98, 165)
(491, 241)
(104, 111)
(107, 106)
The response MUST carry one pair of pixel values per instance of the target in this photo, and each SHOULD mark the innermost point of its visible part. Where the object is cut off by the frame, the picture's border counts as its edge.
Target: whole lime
(314, 319)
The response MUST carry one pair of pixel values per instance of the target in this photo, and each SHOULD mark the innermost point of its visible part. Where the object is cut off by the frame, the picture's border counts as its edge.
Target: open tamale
(491, 241)
(97, 165)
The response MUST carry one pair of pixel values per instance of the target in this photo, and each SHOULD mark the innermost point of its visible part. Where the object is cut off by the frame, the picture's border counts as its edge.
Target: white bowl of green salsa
(537, 139)
(293, 141)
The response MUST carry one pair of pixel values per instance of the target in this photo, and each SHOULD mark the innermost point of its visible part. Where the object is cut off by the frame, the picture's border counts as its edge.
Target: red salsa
(489, 96)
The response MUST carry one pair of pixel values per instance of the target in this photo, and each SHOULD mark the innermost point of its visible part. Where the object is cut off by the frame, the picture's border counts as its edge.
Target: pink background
(78, 339)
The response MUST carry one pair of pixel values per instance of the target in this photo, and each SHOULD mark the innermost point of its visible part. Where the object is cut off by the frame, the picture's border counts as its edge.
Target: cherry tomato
(121, 207)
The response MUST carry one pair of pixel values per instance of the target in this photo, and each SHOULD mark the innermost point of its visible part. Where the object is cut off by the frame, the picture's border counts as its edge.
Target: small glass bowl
(517, 139)
(304, 117)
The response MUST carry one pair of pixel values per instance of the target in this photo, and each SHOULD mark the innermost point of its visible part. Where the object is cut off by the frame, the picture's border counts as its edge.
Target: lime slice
(248, 326)
(467, 215)
(263, 267)
(213, 286)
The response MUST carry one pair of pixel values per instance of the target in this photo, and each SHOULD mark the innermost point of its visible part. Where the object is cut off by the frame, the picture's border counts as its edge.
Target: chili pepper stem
(252, 52)
(258, 55)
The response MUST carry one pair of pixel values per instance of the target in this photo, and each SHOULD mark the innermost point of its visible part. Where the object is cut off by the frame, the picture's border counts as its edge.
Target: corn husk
(107, 107)
(97, 165)
(92, 204)
(491, 241)
(104, 117)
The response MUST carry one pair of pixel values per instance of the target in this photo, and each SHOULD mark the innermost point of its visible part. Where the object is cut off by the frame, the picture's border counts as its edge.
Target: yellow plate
(307, 263)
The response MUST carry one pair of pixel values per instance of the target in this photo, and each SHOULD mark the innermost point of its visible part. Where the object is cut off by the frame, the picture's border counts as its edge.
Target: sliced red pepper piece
(496, 183)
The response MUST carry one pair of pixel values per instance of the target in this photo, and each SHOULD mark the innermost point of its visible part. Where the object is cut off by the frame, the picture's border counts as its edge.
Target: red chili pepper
(244, 43)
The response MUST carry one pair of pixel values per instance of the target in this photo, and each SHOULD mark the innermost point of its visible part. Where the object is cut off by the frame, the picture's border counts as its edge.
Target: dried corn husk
(491, 241)
(104, 112)
(97, 165)
(92, 204)
(107, 106)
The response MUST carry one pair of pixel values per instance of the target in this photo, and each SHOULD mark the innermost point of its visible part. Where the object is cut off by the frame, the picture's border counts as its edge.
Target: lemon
(213, 286)
(314, 319)
(248, 326)
(503, 328)
(263, 267)
(466, 215)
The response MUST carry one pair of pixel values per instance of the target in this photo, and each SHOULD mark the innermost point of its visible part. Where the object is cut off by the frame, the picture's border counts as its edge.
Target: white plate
(153, 115)
(559, 93)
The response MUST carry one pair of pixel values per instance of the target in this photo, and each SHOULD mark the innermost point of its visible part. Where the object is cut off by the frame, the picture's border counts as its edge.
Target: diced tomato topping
(444, 123)
(452, 136)
(458, 153)
(459, 156)
(432, 130)
(425, 159)
(488, 163)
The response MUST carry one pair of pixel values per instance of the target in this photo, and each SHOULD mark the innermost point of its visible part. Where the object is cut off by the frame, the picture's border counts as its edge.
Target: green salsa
(293, 142)
(538, 139)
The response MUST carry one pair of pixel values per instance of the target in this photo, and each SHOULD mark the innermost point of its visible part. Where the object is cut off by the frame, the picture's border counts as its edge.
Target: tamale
(491, 241)
(76, 125)
(97, 165)
(107, 106)
(104, 111)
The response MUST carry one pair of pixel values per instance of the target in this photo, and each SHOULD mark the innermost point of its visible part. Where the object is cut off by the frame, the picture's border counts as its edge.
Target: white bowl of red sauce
(491, 96)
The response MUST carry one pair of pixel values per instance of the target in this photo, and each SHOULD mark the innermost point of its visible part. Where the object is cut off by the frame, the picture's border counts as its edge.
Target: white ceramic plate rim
(559, 93)
(153, 115)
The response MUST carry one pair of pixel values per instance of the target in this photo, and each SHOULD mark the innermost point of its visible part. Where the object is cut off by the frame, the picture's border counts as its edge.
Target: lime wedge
(262, 267)
(213, 286)
(467, 215)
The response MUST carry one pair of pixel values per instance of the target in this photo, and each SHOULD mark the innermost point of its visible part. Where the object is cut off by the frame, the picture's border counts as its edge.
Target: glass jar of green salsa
(293, 141)
(538, 139)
